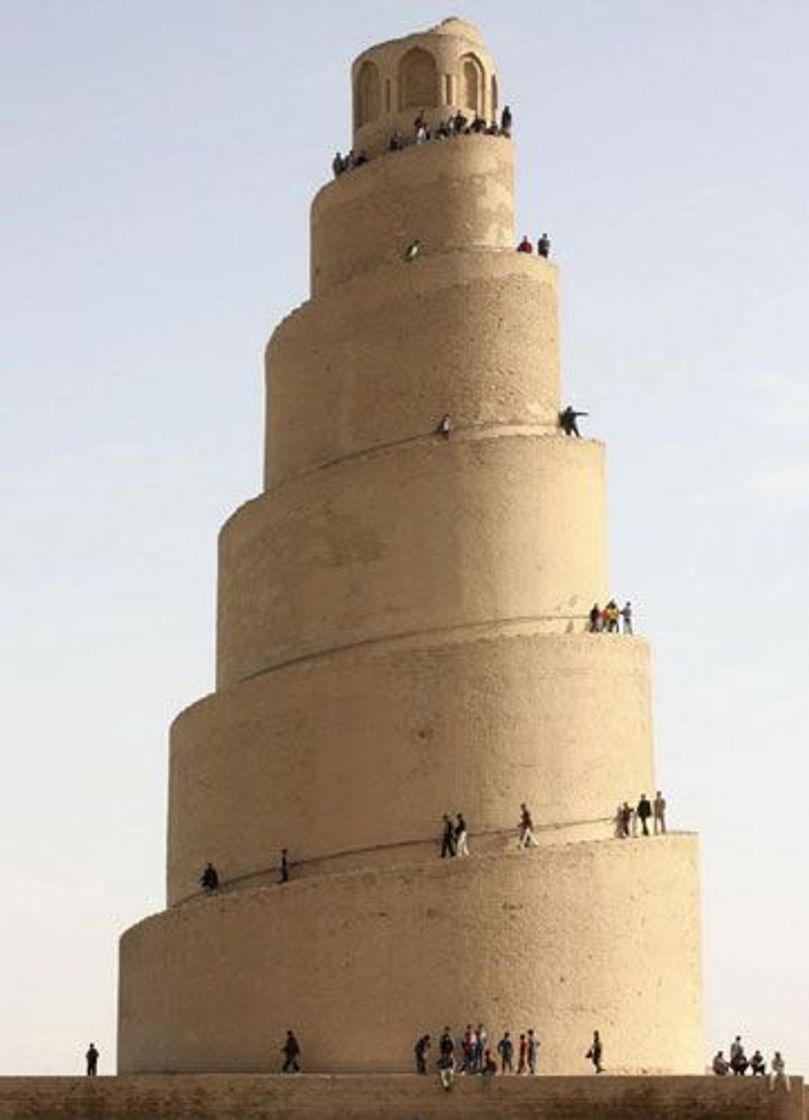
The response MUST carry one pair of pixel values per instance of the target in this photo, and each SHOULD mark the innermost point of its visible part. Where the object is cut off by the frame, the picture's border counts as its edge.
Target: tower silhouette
(402, 633)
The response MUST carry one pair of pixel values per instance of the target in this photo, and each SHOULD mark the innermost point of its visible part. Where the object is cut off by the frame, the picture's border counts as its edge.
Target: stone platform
(395, 1097)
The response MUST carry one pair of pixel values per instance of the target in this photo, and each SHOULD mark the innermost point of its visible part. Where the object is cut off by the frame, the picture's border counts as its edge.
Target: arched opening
(471, 84)
(495, 99)
(367, 95)
(418, 79)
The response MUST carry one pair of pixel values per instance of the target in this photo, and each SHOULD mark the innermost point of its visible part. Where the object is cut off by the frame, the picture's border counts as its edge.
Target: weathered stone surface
(404, 1097)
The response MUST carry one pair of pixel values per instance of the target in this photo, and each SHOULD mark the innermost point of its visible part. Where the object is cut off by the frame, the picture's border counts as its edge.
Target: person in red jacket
(525, 245)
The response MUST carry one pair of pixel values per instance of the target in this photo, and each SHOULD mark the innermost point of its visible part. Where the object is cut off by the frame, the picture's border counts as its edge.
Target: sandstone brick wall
(404, 1097)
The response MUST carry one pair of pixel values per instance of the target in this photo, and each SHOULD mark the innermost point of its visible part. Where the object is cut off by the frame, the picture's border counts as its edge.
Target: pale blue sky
(158, 163)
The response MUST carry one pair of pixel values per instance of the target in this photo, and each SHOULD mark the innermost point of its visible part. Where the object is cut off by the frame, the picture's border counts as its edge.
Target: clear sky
(158, 163)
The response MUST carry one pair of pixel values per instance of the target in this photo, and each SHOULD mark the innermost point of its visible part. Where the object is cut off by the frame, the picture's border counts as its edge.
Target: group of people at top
(610, 619)
(457, 124)
(627, 817)
(739, 1064)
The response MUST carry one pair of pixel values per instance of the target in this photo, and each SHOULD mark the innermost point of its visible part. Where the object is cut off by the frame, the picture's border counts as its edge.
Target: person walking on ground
(284, 866)
(446, 1047)
(505, 1048)
(544, 246)
(461, 846)
(421, 1049)
(526, 829)
(91, 1057)
(567, 421)
(447, 838)
(291, 1051)
(446, 1071)
(596, 1052)
(522, 1055)
(757, 1064)
(468, 1046)
(778, 1073)
(659, 808)
(209, 879)
(483, 1038)
(643, 812)
(626, 617)
(719, 1064)
(533, 1051)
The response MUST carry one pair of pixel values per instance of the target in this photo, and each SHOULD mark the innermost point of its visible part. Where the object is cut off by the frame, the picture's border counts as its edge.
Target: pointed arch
(418, 79)
(495, 97)
(471, 92)
(367, 94)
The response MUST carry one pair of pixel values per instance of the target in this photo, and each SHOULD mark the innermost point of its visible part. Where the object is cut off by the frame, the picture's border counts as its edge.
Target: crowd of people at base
(610, 619)
(627, 817)
(457, 124)
(739, 1064)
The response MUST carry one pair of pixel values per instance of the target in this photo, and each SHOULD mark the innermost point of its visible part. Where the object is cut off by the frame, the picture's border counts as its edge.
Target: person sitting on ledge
(719, 1065)
(525, 245)
(567, 421)
(778, 1071)
(209, 879)
(396, 142)
(544, 246)
(360, 158)
(493, 130)
(757, 1064)
(478, 124)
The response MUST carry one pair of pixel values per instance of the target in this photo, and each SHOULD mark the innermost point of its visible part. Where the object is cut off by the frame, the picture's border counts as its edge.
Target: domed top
(454, 26)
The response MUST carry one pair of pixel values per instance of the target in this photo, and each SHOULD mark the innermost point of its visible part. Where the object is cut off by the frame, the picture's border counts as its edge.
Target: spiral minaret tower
(401, 633)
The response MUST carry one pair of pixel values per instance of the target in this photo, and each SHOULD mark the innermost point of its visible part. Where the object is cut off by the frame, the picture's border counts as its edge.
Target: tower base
(397, 1097)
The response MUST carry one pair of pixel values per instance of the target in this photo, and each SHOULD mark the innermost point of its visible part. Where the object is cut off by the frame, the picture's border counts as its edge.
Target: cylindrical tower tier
(479, 720)
(563, 939)
(427, 536)
(448, 195)
(433, 73)
(376, 361)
